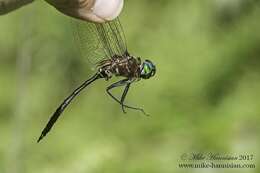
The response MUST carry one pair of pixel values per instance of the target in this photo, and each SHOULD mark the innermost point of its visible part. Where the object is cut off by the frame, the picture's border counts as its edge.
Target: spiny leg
(118, 84)
(124, 95)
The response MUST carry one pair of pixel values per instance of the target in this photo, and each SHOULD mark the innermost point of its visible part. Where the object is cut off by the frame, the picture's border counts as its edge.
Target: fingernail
(107, 9)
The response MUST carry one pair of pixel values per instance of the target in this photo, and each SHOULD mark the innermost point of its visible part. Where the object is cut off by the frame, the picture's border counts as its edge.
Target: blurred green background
(204, 97)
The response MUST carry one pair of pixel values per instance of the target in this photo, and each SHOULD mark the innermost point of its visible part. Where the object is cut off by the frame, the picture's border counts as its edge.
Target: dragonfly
(104, 45)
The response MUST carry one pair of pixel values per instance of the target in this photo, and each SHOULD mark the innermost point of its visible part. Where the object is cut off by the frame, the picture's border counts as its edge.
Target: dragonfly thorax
(125, 66)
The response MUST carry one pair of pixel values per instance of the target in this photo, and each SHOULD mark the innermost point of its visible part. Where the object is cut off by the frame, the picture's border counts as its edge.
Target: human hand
(90, 10)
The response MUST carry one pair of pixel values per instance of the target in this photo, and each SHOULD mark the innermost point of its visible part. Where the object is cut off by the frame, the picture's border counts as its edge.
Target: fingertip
(107, 9)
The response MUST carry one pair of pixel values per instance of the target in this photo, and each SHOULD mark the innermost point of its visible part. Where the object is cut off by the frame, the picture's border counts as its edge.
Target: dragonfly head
(148, 69)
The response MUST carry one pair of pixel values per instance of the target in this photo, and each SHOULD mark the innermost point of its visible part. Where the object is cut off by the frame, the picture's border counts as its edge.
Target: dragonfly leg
(124, 95)
(118, 84)
(114, 85)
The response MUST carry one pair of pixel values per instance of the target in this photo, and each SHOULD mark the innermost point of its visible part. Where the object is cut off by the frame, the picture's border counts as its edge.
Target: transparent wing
(100, 41)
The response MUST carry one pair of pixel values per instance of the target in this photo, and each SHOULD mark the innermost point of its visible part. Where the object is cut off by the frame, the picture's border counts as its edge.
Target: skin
(9, 5)
(81, 9)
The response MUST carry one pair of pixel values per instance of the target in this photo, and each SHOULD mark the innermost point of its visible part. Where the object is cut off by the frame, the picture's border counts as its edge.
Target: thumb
(90, 10)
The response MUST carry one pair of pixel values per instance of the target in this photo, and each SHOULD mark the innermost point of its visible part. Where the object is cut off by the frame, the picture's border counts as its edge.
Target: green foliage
(204, 97)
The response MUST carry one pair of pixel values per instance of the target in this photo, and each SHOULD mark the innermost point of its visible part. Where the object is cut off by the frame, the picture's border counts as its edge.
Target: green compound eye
(147, 69)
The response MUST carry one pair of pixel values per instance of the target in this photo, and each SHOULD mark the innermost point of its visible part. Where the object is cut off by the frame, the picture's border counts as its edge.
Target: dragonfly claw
(123, 108)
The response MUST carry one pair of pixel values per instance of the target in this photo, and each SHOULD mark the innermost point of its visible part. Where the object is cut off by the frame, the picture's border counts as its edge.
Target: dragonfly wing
(112, 37)
(99, 41)
(88, 42)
